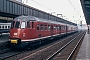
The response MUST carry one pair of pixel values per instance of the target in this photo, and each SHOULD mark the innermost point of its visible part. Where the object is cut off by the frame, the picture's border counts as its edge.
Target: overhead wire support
(73, 6)
(41, 4)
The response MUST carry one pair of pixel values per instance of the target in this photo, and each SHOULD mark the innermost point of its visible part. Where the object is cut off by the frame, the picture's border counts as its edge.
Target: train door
(59, 29)
(52, 30)
(66, 29)
(29, 29)
(24, 29)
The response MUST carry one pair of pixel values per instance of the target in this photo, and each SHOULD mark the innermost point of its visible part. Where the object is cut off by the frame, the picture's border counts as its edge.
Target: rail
(62, 48)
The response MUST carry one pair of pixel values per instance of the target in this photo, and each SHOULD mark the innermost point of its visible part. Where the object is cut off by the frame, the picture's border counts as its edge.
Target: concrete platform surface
(84, 52)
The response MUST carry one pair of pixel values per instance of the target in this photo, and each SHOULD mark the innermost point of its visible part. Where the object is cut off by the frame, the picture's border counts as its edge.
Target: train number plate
(14, 41)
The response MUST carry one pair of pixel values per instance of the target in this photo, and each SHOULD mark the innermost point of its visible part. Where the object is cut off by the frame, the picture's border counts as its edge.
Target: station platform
(84, 51)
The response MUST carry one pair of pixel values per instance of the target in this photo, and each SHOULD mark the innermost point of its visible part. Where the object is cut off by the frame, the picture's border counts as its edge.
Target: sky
(71, 10)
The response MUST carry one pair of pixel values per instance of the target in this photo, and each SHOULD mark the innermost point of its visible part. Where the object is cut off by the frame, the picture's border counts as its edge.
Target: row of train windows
(39, 26)
(42, 26)
(4, 27)
(5, 18)
(50, 27)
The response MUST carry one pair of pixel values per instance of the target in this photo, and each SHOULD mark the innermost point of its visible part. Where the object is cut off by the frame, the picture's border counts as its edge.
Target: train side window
(32, 24)
(71, 28)
(59, 27)
(49, 27)
(28, 24)
(63, 27)
(8, 27)
(5, 27)
(45, 27)
(0, 27)
(41, 27)
(54, 28)
(38, 27)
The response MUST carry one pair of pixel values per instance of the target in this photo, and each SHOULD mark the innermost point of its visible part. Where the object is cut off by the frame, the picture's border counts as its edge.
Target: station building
(9, 9)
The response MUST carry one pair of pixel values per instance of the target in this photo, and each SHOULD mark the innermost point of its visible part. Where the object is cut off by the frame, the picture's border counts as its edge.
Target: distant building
(83, 26)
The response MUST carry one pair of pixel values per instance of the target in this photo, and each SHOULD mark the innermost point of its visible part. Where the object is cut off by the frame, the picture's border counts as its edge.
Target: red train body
(28, 29)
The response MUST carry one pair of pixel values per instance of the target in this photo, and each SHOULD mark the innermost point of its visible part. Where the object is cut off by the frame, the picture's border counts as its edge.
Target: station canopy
(86, 9)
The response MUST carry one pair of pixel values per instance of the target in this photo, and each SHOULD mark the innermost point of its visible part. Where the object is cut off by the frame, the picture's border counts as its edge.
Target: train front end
(15, 34)
(18, 33)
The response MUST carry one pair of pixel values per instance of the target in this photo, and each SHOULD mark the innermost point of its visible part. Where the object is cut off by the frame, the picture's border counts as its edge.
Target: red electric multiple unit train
(32, 30)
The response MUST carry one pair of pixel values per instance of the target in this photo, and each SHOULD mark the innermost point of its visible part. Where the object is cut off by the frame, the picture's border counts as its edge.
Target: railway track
(4, 50)
(4, 47)
(67, 51)
(41, 53)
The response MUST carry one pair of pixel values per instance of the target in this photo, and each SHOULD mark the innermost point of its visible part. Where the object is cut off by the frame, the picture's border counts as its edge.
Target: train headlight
(23, 34)
(15, 33)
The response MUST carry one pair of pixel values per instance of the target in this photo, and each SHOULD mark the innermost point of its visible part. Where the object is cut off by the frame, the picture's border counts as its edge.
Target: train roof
(32, 18)
(25, 18)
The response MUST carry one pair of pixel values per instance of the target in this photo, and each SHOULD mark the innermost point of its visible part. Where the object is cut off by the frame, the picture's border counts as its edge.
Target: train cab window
(28, 24)
(17, 25)
(23, 25)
